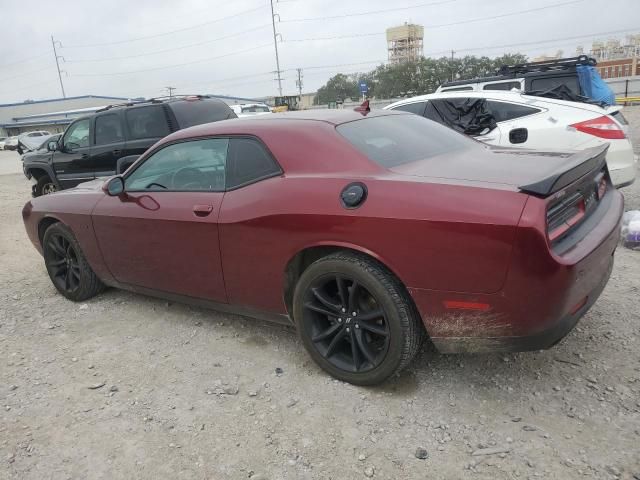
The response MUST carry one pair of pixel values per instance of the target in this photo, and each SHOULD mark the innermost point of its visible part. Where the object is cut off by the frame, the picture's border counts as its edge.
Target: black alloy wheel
(67, 267)
(347, 325)
(62, 263)
(355, 318)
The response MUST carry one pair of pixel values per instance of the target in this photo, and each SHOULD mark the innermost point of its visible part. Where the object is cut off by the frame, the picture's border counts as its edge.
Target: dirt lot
(193, 394)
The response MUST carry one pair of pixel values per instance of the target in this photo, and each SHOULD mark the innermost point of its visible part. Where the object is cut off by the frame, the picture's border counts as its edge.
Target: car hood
(505, 167)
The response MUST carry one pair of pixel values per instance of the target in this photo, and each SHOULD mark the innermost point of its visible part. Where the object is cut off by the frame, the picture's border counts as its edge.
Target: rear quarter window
(503, 111)
(196, 112)
(395, 140)
(542, 84)
(147, 122)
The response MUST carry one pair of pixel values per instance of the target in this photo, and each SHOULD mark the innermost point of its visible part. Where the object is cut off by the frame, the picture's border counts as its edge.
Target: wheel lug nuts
(353, 314)
(339, 320)
(344, 310)
(357, 326)
(348, 330)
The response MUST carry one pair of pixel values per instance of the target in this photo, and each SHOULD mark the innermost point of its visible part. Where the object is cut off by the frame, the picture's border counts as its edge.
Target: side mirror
(518, 135)
(114, 187)
(125, 162)
(52, 146)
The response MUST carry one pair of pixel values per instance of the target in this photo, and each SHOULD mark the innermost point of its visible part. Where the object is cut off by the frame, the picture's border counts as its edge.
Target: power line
(537, 42)
(156, 52)
(511, 14)
(171, 66)
(370, 12)
(136, 39)
(26, 74)
(25, 60)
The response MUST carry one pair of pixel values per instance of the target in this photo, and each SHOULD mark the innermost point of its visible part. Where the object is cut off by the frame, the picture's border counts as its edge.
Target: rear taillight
(602, 188)
(603, 127)
(564, 215)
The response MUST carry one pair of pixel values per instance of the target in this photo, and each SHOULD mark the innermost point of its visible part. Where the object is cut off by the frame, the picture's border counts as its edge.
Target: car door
(162, 233)
(108, 143)
(72, 160)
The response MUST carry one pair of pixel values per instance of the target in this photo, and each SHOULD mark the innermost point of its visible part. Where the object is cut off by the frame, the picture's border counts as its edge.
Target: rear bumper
(538, 341)
(544, 296)
(622, 163)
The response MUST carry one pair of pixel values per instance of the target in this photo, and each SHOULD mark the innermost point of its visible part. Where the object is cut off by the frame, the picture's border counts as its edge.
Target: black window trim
(229, 137)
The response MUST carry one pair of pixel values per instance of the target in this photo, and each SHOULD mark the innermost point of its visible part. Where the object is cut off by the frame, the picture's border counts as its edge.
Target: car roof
(515, 96)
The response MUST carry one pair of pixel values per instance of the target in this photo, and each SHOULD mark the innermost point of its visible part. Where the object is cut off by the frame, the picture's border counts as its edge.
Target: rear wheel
(67, 267)
(44, 186)
(356, 319)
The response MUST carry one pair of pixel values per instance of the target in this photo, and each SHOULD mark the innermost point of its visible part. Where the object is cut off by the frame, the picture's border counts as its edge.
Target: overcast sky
(226, 47)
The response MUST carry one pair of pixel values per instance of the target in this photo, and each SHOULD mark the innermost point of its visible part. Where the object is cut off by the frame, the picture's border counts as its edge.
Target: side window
(417, 108)
(542, 84)
(248, 162)
(193, 166)
(457, 89)
(502, 86)
(77, 135)
(108, 129)
(503, 111)
(147, 122)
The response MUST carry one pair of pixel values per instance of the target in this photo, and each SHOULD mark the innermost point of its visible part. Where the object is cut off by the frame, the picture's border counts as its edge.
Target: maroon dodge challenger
(369, 231)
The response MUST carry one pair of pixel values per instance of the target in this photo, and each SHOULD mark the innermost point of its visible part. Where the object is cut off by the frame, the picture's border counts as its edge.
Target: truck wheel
(44, 186)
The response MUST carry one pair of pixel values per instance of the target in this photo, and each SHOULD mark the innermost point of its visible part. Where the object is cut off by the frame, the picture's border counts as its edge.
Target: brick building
(622, 67)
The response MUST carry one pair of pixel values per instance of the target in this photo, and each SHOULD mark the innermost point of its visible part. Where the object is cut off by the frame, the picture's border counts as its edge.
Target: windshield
(398, 139)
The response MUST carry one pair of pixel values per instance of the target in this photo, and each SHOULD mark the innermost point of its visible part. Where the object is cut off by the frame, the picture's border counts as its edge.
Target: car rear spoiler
(577, 166)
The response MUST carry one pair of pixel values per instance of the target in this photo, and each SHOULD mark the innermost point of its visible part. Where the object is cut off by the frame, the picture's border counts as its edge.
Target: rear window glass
(542, 84)
(398, 139)
(417, 108)
(147, 122)
(196, 112)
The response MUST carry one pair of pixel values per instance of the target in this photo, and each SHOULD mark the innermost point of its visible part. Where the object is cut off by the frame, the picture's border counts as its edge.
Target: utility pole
(170, 90)
(299, 80)
(451, 64)
(55, 54)
(275, 42)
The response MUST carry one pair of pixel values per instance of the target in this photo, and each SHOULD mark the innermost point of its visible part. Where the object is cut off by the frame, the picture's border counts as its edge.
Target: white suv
(540, 123)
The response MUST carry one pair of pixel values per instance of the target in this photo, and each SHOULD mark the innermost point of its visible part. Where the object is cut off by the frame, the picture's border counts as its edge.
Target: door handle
(117, 152)
(84, 156)
(202, 210)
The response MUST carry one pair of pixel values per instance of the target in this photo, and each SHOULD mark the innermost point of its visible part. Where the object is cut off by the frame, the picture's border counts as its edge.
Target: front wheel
(355, 319)
(67, 267)
(44, 186)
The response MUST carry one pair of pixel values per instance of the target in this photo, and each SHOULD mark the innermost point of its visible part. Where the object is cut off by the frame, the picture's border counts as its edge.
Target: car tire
(44, 186)
(67, 266)
(378, 341)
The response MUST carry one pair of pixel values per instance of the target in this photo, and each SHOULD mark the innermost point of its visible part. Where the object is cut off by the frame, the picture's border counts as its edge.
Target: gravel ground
(127, 386)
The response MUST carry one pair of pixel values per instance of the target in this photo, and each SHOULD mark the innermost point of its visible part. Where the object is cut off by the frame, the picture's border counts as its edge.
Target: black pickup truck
(92, 146)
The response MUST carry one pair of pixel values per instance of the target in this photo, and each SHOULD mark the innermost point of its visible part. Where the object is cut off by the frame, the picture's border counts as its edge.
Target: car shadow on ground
(429, 369)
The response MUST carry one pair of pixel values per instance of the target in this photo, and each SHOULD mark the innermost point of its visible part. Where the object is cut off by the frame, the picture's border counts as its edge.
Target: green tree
(413, 78)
